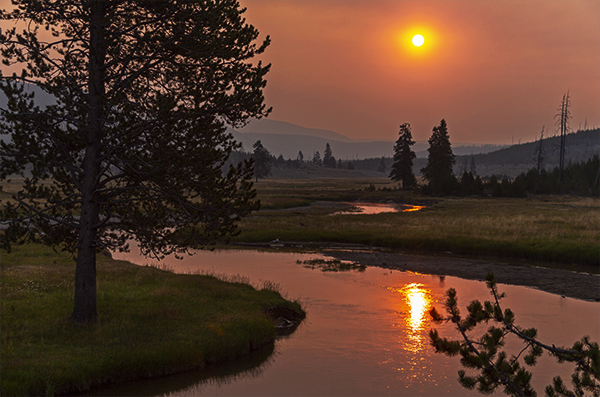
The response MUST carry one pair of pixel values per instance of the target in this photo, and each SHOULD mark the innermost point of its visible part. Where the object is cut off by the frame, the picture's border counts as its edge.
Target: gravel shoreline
(561, 282)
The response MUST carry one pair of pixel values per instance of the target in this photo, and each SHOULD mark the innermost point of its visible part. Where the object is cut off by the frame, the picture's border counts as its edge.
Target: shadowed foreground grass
(151, 322)
(551, 228)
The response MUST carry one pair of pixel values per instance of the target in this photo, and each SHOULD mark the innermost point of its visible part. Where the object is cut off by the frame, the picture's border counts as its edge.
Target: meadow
(552, 229)
(151, 323)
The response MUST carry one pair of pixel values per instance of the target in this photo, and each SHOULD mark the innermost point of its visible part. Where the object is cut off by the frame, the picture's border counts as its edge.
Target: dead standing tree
(539, 158)
(562, 122)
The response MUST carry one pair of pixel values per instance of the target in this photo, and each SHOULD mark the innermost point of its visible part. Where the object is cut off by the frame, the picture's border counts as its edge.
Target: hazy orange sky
(496, 70)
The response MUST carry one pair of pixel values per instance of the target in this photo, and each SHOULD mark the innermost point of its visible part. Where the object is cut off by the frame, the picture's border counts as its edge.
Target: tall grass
(551, 228)
(151, 322)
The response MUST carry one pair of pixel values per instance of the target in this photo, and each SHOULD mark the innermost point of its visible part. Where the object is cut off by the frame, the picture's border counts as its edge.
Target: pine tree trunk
(84, 310)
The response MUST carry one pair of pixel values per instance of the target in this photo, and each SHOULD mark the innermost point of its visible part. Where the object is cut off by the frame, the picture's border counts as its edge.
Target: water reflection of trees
(223, 374)
(193, 383)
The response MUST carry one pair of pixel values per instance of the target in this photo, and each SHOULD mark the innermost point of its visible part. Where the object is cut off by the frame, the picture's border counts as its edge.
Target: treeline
(264, 160)
(581, 178)
(578, 178)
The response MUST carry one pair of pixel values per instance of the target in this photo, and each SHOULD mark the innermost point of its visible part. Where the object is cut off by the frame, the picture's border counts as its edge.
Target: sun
(418, 40)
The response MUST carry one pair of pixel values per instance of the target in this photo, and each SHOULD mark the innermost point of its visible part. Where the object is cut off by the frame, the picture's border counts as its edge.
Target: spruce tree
(403, 158)
(328, 159)
(317, 158)
(440, 161)
(262, 161)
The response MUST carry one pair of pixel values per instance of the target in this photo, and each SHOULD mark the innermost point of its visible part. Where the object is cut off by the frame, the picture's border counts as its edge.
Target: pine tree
(317, 158)
(473, 169)
(382, 167)
(328, 159)
(135, 140)
(440, 161)
(262, 161)
(403, 158)
(497, 370)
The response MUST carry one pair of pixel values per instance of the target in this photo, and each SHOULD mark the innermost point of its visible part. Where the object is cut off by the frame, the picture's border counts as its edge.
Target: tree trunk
(84, 310)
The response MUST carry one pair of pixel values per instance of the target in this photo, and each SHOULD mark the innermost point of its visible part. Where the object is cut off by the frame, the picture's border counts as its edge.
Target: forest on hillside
(512, 161)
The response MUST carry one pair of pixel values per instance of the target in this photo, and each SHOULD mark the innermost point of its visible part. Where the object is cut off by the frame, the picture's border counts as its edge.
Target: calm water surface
(376, 208)
(365, 333)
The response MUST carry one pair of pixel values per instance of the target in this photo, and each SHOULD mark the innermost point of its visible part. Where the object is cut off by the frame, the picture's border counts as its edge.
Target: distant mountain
(511, 161)
(289, 145)
(267, 126)
(286, 139)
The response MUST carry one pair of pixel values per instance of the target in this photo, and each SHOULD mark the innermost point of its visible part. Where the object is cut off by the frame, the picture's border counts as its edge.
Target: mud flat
(561, 282)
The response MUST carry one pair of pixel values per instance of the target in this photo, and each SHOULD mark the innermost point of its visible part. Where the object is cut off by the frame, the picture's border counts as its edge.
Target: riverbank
(584, 286)
(150, 323)
(558, 229)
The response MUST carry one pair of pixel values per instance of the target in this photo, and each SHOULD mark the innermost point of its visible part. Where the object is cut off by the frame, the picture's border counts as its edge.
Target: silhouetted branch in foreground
(495, 368)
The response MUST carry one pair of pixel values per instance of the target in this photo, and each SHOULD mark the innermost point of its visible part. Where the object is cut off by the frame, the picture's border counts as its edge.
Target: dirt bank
(560, 282)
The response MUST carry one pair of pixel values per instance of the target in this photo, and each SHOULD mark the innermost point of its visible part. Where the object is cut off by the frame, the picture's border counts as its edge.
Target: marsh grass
(288, 193)
(560, 229)
(151, 322)
(334, 265)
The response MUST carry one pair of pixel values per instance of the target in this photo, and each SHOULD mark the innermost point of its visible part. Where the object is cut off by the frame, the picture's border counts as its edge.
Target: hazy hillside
(511, 161)
(289, 145)
(268, 126)
(286, 139)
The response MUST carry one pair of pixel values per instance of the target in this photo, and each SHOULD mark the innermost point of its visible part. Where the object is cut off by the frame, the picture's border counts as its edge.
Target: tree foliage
(262, 161)
(382, 166)
(402, 169)
(328, 158)
(578, 178)
(440, 161)
(496, 369)
(134, 142)
(316, 160)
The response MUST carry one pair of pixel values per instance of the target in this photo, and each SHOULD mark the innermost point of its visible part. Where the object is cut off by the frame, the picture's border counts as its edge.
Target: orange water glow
(413, 208)
(417, 300)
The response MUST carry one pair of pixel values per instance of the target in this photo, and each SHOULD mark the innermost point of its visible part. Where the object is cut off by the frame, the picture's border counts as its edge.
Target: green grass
(558, 229)
(151, 322)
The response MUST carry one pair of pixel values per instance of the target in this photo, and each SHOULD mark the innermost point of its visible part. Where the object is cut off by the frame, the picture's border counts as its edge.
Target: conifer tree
(328, 159)
(440, 161)
(382, 167)
(497, 370)
(262, 161)
(134, 142)
(317, 158)
(403, 158)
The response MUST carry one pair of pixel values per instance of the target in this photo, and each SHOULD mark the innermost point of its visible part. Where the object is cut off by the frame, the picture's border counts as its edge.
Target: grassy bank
(151, 323)
(552, 228)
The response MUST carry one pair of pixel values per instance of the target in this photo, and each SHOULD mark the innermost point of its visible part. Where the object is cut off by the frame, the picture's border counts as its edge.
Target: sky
(495, 70)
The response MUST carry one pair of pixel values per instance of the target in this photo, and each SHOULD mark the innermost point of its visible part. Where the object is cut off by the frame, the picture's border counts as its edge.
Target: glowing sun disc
(418, 40)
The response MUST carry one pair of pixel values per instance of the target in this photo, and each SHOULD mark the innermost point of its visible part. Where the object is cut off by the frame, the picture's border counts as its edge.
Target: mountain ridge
(287, 139)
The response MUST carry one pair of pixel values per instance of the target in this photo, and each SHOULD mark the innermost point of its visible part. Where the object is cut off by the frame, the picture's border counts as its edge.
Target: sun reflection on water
(417, 301)
(413, 208)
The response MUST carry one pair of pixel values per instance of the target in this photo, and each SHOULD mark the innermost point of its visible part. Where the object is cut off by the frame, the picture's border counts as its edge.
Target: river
(365, 333)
